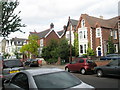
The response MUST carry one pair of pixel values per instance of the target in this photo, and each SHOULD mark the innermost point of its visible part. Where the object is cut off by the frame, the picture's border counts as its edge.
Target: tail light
(86, 64)
(1, 76)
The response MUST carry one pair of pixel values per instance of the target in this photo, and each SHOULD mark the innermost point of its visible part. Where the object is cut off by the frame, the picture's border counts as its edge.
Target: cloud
(38, 14)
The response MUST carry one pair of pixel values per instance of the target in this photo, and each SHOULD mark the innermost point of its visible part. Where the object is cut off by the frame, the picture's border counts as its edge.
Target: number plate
(14, 71)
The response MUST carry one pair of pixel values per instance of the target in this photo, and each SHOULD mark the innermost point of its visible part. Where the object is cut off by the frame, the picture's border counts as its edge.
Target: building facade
(96, 32)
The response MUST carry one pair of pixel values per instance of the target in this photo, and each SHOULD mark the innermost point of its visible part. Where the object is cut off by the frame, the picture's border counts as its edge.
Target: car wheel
(67, 69)
(83, 71)
(99, 73)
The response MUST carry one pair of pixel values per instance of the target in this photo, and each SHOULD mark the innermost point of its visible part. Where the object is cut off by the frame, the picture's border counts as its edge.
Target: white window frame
(115, 34)
(98, 34)
(111, 33)
(82, 23)
(41, 42)
(116, 48)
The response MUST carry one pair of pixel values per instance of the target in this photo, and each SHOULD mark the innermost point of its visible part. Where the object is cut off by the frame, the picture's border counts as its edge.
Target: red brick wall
(50, 37)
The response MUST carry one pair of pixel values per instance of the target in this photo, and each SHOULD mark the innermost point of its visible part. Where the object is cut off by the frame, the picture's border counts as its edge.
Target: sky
(38, 14)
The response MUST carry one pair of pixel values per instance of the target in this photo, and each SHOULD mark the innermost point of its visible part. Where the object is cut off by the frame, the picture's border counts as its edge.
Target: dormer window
(83, 23)
(98, 32)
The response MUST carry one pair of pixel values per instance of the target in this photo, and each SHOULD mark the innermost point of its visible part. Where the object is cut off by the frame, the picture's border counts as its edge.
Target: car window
(89, 61)
(81, 61)
(21, 80)
(114, 63)
(56, 80)
(12, 63)
(73, 62)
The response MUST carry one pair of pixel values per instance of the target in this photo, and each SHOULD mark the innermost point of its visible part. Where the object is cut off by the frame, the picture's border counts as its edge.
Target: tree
(76, 48)
(10, 22)
(32, 46)
(111, 48)
(90, 51)
(63, 50)
(50, 52)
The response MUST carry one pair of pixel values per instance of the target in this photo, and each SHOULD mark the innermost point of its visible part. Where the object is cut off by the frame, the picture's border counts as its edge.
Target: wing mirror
(108, 65)
(6, 81)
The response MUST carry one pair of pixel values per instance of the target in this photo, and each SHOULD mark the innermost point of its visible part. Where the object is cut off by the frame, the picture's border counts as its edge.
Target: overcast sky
(38, 14)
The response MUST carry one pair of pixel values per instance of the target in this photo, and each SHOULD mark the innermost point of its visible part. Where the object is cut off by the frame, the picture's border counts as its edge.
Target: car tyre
(83, 71)
(99, 73)
(67, 69)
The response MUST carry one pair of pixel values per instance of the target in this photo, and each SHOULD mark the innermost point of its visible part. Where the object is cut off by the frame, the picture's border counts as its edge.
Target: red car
(81, 64)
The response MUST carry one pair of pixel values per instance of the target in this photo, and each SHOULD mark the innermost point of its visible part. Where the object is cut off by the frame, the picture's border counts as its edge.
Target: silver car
(45, 78)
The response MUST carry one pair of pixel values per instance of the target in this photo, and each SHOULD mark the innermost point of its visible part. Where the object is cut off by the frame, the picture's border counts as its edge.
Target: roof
(74, 22)
(39, 71)
(92, 21)
(41, 34)
(60, 32)
(18, 39)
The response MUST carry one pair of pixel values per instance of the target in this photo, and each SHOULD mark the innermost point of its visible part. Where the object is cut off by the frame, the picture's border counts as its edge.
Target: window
(81, 61)
(98, 32)
(80, 34)
(111, 33)
(68, 36)
(21, 81)
(83, 23)
(57, 80)
(41, 42)
(84, 35)
(115, 35)
(85, 48)
(81, 49)
(116, 48)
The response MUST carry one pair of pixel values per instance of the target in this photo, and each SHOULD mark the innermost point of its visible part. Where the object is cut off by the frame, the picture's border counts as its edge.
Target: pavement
(56, 66)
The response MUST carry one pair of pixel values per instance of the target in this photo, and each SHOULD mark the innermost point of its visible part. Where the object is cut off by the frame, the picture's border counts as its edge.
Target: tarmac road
(100, 83)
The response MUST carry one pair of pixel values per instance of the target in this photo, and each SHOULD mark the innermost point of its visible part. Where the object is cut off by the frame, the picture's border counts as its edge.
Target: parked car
(32, 62)
(111, 57)
(10, 67)
(81, 64)
(45, 78)
(112, 68)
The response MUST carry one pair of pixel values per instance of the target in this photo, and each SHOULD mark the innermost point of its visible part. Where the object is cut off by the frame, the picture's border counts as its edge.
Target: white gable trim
(50, 32)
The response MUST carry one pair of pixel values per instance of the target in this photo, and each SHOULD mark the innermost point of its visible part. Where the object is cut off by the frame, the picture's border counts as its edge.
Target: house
(13, 45)
(46, 36)
(96, 32)
(71, 25)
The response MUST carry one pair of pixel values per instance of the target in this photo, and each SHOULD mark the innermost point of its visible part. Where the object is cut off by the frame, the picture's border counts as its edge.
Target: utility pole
(70, 40)
(119, 24)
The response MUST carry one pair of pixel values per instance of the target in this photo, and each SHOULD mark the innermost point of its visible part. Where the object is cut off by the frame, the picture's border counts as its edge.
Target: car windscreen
(12, 63)
(56, 80)
(90, 61)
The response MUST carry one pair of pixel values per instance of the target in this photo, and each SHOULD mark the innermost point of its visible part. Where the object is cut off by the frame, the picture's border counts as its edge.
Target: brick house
(96, 32)
(46, 36)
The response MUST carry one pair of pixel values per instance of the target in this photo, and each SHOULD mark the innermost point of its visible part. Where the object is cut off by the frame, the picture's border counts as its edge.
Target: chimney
(51, 25)
(64, 27)
(101, 17)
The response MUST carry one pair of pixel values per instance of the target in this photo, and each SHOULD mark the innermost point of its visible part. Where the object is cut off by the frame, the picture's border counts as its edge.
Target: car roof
(10, 59)
(40, 71)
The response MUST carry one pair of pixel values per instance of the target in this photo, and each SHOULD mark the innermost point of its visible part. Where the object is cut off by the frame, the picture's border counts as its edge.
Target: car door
(79, 65)
(19, 81)
(111, 68)
(72, 65)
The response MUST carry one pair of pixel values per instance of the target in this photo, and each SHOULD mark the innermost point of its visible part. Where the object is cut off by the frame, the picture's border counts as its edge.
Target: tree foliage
(56, 49)
(111, 48)
(10, 22)
(50, 52)
(90, 51)
(76, 48)
(32, 46)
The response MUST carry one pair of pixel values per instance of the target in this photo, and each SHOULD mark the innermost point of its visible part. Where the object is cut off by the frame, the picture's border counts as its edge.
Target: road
(107, 83)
